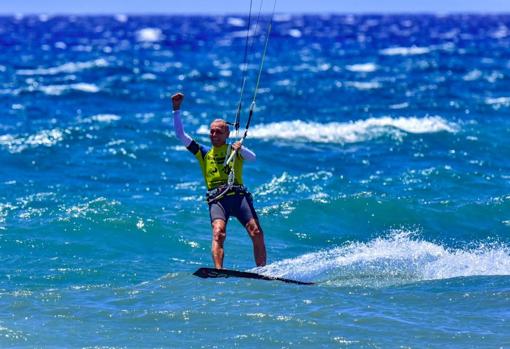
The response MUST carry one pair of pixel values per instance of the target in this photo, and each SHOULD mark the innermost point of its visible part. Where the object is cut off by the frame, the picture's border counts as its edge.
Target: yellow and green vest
(211, 162)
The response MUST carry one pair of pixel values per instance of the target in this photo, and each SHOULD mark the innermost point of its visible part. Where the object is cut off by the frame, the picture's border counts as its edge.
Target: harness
(224, 190)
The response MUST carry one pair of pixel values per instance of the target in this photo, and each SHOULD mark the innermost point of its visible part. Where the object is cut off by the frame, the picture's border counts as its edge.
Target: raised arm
(179, 129)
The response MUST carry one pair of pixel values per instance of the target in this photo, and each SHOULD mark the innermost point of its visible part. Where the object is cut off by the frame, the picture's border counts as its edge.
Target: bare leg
(257, 237)
(219, 234)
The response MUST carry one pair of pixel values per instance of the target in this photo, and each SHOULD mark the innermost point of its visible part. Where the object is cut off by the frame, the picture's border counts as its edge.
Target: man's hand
(177, 100)
(237, 146)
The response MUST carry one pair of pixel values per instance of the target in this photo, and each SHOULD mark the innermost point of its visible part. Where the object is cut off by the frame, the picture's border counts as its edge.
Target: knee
(254, 229)
(219, 234)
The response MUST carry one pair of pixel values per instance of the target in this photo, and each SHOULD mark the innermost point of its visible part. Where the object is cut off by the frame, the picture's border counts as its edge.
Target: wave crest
(405, 51)
(351, 132)
(397, 259)
(68, 68)
(17, 144)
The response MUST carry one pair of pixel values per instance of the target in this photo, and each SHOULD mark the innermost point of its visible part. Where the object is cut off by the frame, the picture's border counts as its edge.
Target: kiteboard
(226, 273)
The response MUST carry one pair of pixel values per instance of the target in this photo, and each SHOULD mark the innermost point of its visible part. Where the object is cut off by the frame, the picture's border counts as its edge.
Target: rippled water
(382, 174)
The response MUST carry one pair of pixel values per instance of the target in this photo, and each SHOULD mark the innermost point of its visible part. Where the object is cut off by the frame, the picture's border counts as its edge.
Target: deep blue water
(382, 173)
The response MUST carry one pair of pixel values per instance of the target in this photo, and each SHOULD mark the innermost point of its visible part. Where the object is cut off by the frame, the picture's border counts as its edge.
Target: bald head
(221, 124)
(219, 132)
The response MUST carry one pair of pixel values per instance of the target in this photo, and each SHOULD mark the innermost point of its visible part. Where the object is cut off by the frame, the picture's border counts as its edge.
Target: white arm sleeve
(179, 130)
(247, 154)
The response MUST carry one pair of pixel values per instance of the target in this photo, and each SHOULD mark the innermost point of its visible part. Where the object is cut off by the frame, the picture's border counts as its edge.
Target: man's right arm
(179, 129)
(185, 139)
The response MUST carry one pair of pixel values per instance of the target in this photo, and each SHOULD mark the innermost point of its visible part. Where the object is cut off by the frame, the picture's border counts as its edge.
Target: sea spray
(398, 258)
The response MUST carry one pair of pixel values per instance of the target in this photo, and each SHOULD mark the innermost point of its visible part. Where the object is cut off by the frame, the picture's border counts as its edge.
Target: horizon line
(318, 13)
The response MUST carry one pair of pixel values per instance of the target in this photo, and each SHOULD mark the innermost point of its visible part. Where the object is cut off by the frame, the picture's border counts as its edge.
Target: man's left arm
(245, 153)
(248, 154)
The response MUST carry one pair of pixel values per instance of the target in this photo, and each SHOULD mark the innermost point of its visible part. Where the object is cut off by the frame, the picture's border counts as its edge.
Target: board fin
(226, 273)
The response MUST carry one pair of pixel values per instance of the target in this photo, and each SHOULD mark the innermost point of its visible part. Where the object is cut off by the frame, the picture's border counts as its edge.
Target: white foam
(295, 33)
(236, 22)
(364, 85)
(122, 18)
(149, 35)
(282, 17)
(95, 206)
(398, 258)
(362, 68)
(225, 73)
(499, 101)
(84, 87)
(106, 118)
(349, 132)
(472, 75)
(399, 105)
(61, 45)
(53, 90)
(405, 51)
(241, 34)
(16, 144)
(287, 184)
(67, 68)
(149, 76)
(5, 208)
(500, 33)
(57, 90)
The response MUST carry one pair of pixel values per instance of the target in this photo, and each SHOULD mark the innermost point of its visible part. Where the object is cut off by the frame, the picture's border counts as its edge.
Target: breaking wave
(362, 68)
(57, 90)
(397, 259)
(17, 144)
(405, 51)
(149, 35)
(349, 132)
(67, 68)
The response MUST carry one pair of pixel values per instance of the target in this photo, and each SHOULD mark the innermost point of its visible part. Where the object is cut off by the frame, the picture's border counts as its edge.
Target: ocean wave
(295, 33)
(5, 208)
(364, 85)
(17, 144)
(282, 17)
(122, 18)
(102, 118)
(286, 184)
(86, 209)
(473, 75)
(351, 132)
(362, 68)
(405, 51)
(399, 105)
(67, 68)
(498, 102)
(149, 35)
(396, 259)
(58, 90)
(239, 34)
(292, 188)
(236, 22)
(501, 33)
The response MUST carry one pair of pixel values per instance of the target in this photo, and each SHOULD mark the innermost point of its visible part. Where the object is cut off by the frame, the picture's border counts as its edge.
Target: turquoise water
(382, 174)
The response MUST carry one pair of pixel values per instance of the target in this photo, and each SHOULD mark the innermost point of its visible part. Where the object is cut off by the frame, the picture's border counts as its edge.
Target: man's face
(218, 133)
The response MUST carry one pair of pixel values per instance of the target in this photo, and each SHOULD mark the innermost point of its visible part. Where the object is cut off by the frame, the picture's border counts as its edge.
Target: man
(225, 197)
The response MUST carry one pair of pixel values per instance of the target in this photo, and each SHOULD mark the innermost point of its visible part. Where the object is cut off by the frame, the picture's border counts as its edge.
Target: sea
(382, 175)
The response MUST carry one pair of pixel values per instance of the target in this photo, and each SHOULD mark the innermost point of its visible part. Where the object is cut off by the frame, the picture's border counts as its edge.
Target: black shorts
(239, 205)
